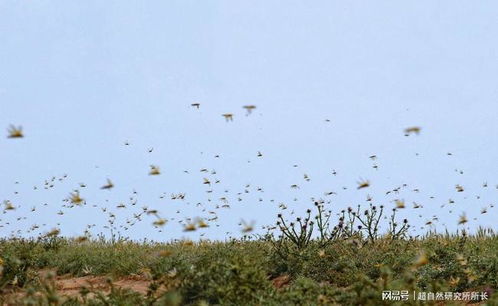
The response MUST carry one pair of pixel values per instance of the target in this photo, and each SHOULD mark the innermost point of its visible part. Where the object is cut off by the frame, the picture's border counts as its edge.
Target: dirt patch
(71, 286)
(281, 281)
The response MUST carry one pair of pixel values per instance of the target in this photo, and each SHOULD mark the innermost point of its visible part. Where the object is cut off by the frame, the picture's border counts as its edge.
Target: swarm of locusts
(208, 216)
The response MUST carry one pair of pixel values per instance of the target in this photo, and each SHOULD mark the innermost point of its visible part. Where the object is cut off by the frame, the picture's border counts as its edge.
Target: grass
(263, 271)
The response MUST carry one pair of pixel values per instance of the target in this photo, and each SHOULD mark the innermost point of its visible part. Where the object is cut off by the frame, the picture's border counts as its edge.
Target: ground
(263, 271)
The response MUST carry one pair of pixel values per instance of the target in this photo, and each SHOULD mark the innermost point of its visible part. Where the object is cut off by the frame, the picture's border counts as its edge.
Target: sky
(84, 77)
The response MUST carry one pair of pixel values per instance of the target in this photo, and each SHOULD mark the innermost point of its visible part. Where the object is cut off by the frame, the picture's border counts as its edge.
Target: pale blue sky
(82, 77)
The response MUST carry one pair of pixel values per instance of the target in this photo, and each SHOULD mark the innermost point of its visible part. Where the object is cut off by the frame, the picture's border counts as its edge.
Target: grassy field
(263, 271)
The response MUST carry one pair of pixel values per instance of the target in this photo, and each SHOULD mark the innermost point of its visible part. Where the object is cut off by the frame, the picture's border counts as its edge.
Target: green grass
(241, 272)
